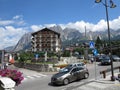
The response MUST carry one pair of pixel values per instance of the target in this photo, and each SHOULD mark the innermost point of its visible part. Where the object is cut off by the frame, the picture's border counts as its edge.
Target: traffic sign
(92, 45)
(95, 52)
(36, 56)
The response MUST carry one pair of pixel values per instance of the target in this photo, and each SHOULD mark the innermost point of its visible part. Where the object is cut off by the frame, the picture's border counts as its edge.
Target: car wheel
(86, 75)
(65, 81)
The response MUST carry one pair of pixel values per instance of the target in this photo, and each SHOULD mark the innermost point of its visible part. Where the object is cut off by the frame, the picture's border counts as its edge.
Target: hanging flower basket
(13, 74)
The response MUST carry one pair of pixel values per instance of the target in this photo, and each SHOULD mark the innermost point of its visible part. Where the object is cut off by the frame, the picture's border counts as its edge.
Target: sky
(18, 17)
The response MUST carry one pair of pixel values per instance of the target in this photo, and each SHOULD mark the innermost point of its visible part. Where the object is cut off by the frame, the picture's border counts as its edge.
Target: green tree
(66, 53)
(79, 50)
(98, 43)
(24, 56)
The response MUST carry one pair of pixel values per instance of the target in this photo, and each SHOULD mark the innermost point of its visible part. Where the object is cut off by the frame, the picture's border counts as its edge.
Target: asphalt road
(38, 81)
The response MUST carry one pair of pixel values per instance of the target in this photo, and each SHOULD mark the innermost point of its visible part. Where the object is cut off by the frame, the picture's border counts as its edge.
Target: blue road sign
(36, 56)
(95, 52)
(92, 45)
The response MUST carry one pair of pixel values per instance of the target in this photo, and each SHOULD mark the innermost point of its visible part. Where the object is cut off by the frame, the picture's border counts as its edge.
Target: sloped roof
(45, 30)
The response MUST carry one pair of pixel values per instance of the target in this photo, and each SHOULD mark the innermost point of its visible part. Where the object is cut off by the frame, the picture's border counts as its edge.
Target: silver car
(80, 64)
(69, 74)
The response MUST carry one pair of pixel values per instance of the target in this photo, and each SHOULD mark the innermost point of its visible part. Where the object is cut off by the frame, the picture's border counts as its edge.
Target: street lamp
(112, 5)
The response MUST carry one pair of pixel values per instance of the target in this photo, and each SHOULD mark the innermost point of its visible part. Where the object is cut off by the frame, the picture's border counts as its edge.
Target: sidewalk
(101, 84)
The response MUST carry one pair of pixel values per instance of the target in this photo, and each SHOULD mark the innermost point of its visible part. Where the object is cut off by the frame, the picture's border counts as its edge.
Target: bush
(61, 65)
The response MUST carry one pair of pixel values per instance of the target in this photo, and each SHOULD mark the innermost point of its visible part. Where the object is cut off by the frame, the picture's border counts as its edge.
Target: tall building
(46, 40)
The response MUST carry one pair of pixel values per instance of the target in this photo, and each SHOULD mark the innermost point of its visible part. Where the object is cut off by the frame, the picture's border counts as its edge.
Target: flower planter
(15, 75)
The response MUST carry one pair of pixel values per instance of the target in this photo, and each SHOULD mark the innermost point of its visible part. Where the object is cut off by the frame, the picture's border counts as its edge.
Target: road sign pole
(95, 69)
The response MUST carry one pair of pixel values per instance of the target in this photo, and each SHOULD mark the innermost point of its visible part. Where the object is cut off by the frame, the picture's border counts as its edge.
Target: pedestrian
(92, 61)
(5, 65)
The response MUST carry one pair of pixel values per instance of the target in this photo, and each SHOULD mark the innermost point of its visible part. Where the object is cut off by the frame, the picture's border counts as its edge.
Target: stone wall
(37, 67)
(48, 67)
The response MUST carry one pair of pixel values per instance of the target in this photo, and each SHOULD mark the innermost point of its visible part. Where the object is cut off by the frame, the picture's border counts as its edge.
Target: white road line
(31, 77)
(42, 75)
(37, 76)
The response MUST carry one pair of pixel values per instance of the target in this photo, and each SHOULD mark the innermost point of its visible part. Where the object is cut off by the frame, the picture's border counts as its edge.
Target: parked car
(105, 60)
(115, 58)
(99, 57)
(80, 57)
(69, 74)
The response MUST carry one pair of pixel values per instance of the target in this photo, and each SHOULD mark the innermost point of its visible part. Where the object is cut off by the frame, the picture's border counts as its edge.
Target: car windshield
(114, 56)
(70, 65)
(106, 58)
(76, 64)
(67, 69)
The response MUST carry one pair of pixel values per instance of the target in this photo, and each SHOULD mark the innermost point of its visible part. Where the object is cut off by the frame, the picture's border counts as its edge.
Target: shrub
(61, 65)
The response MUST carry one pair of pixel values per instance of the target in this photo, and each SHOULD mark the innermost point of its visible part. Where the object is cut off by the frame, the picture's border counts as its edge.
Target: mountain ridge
(67, 34)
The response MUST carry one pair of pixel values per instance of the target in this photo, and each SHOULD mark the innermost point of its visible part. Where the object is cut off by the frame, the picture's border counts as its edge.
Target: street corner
(118, 84)
(95, 85)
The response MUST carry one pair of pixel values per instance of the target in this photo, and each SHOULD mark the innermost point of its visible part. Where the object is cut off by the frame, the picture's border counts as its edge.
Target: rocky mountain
(68, 35)
(104, 34)
(10, 48)
(24, 43)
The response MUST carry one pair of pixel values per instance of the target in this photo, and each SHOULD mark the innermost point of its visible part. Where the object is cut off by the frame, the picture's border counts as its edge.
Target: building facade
(46, 40)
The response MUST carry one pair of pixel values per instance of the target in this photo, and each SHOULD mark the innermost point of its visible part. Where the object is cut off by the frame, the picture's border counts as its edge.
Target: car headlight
(59, 78)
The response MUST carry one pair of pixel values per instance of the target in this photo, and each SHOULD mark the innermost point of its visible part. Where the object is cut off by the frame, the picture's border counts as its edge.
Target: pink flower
(13, 74)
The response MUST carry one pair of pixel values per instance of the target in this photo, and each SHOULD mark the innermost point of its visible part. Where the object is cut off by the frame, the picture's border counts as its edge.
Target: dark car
(115, 58)
(105, 60)
(69, 74)
(100, 57)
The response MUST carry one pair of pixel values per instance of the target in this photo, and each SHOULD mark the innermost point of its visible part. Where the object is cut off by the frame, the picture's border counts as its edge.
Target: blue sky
(20, 16)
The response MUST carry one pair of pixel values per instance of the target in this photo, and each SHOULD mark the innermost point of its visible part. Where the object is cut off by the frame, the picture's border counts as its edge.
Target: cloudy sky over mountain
(18, 17)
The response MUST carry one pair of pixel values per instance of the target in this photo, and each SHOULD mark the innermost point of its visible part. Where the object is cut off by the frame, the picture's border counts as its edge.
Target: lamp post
(112, 5)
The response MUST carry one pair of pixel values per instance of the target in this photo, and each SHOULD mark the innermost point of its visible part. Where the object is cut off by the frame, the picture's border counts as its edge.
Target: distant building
(46, 40)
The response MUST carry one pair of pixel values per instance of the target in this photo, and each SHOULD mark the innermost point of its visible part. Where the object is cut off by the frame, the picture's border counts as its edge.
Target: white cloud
(36, 27)
(49, 25)
(100, 26)
(115, 24)
(17, 17)
(16, 20)
(6, 22)
(11, 34)
(39, 27)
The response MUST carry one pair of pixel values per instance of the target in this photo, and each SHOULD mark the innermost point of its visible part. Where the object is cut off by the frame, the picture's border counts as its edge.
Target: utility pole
(2, 59)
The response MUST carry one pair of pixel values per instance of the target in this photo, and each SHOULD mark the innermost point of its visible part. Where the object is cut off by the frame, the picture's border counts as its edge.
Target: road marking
(117, 84)
(33, 77)
(42, 75)
(37, 76)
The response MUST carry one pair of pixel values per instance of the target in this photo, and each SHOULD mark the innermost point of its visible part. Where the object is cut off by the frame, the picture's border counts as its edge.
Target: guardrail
(108, 70)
